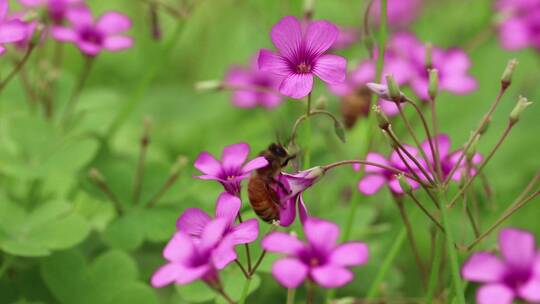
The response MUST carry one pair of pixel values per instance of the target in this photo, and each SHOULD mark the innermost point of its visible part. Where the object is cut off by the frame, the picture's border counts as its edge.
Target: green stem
(291, 294)
(452, 252)
(307, 154)
(6, 263)
(388, 260)
(434, 274)
(245, 291)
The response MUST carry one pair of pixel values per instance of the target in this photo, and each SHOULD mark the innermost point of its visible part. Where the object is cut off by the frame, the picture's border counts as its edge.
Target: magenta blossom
(12, 30)
(193, 221)
(230, 171)
(376, 177)
(453, 66)
(94, 36)
(301, 54)
(400, 12)
(252, 87)
(57, 9)
(520, 27)
(190, 259)
(295, 185)
(321, 259)
(346, 37)
(449, 159)
(515, 276)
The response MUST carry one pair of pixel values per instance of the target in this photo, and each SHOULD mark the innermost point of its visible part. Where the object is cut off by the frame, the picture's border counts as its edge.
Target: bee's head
(278, 150)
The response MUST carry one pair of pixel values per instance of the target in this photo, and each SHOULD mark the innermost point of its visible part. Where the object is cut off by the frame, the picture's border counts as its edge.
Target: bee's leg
(286, 162)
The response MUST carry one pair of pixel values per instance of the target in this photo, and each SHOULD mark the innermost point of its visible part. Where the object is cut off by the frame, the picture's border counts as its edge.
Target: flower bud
(429, 55)
(382, 120)
(96, 176)
(308, 9)
(393, 88)
(433, 89)
(484, 128)
(321, 103)
(405, 186)
(180, 163)
(380, 90)
(506, 78)
(521, 105)
(208, 85)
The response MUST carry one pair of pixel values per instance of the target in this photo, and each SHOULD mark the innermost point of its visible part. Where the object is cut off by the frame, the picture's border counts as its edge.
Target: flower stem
(101, 183)
(6, 263)
(367, 163)
(246, 273)
(435, 264)
(17, 67)
(173, 176)
(245, 291)
(484, 163)
(483, 123)
(435, 126)
(385, 267)
(425, 211)
(88, 62)
(307, 149)
(310, 289)
(139, 174)
(451, 248)
(412, 241)
(291, 294)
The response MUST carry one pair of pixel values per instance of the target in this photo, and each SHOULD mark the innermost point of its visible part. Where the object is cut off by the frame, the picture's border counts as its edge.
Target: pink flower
(190, 259)
(346, 37)
(193, 221)
(94, 36)
(56, 9)
(230, 171)
(253, 88)
(321, 259)
(515, 276)
(519, 28)
(449, 159)
(301, 54)
(453, 66)
(12, 30)
(377, 177)
(295, 185)
(400, 12)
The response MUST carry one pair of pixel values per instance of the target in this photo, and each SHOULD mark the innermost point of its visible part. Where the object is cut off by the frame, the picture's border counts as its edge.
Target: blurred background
(60, 239)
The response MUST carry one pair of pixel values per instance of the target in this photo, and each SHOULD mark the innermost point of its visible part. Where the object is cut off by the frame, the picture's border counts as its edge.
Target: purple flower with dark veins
(253, 87)
(321, 259)
(514, 277)
(230, 171)
(301, 54)
(520, 26)
(90, 36)
(193, 221)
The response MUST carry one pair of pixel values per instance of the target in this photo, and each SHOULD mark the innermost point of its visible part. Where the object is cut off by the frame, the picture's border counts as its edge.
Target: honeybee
(263, 182)
(355, 105)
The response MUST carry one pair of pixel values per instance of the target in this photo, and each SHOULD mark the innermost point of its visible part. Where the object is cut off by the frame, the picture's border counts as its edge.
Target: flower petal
(287, 212)
(224, 253)
(12, 31)
(213, 233)
(331, 68)
(245, 232)
(188, 275)
(517, 247)
(297, 85)
(302, 210)
(321, 234)
(192, 222)
(371, 184)
(118, 43)
(227, 207)
(350, 254)
(256, 163)
(234, 156)
(494, 294)
(4, 8)
(271, 62)
(530, 291)
(483, 267)
(331, 276)
(88, 48)
(378, 159)
(80, 17)
(207, 164)
(166, 275)
(64, 34)
(320, 36)
(113, 23)
(459, 84)
(289, 272)
(281, 242)
(514, 34)
(287, 36)
(179, 248)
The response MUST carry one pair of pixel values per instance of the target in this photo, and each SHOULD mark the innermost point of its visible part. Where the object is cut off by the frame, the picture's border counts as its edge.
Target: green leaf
(196, 292)
(124, 233)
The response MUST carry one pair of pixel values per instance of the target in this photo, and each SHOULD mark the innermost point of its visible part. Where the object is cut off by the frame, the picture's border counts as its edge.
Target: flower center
(314, 262)
(303, 68)
(92, 36)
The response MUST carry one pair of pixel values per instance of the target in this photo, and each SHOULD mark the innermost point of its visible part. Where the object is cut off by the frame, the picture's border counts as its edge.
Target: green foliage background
(60, 239)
